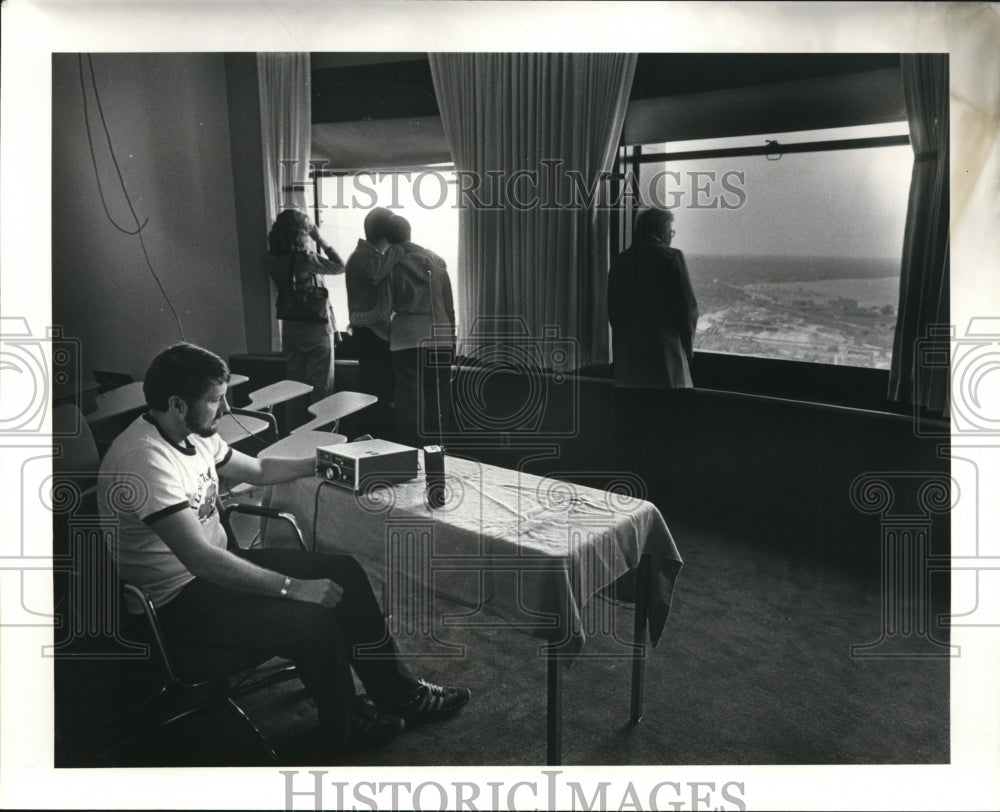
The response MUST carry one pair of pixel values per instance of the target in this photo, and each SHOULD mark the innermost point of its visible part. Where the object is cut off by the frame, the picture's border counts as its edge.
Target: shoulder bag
(305, 302)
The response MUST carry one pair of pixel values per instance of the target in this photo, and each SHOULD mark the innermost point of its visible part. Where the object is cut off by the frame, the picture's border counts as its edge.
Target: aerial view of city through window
(826, 310)
(792, 257)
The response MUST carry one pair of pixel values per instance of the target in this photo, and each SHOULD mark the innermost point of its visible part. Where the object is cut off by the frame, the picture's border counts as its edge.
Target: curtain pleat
(538, 268)
(286, 137)
(285, 127)
(924, 275)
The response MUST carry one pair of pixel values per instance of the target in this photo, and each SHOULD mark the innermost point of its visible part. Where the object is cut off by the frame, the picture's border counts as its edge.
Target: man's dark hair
(376, 223)
(398, 230)
(185, 371)
(653, 223)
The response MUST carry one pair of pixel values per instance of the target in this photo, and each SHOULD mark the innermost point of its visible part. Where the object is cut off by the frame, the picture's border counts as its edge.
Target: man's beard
(201, 431)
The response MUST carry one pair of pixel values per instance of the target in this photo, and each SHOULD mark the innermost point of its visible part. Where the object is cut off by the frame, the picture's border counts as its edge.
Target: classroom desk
(522, 551)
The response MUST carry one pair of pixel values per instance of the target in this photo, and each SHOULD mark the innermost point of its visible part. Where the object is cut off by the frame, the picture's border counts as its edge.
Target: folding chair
(333, 408)
(189, 673)
(242, 424)
(267, 397)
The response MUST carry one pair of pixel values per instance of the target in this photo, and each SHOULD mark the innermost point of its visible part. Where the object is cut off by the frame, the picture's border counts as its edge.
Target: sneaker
(369, 728)
(429, 702)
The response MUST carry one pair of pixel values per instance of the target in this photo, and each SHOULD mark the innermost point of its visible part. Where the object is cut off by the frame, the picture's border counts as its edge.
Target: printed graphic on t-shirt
(203, 499)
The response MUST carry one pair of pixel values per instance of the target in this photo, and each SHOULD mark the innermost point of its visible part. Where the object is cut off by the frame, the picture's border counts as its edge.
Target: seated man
(311, 608)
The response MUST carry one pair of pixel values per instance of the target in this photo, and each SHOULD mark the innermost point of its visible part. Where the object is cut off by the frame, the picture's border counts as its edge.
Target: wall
(169, 127)
(773, 468)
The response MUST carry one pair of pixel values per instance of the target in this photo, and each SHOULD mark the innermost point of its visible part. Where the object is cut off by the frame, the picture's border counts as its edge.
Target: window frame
(318, 172)
(863, 388)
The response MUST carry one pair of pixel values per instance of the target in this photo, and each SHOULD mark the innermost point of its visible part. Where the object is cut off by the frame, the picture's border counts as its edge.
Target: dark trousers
(375, 370)
(323, 643)
(646, 420)
(422, 398)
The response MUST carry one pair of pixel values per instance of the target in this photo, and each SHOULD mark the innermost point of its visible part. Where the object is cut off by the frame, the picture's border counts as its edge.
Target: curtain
(924, 276)
(286, 134)
(285, 128)
(534, 135)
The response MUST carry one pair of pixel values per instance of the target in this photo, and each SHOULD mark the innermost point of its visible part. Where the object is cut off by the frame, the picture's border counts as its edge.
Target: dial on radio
(355, 465)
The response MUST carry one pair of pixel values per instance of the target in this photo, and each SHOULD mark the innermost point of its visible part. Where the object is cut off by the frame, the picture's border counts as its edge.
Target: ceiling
(381, 110)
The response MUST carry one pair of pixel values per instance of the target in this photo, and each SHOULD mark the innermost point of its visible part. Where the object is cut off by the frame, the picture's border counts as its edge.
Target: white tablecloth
(520, 550)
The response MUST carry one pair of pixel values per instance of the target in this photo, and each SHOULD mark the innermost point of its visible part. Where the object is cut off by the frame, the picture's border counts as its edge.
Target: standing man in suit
(653, 314)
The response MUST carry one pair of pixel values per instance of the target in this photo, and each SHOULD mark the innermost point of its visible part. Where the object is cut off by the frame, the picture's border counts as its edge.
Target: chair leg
(220, 698)
(177, 717)
(271, 754)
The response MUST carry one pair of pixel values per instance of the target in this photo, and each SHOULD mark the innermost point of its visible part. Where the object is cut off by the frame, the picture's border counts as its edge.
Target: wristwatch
(284, 587)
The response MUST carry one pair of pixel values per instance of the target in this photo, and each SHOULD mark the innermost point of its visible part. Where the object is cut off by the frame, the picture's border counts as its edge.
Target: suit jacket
(653, 315)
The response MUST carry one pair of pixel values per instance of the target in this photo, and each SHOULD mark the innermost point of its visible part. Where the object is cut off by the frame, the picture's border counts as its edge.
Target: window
(793, 241)
(426, 196)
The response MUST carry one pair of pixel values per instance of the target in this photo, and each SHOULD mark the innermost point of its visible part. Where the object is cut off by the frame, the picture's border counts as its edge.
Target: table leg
(554, 710)
(639, 637)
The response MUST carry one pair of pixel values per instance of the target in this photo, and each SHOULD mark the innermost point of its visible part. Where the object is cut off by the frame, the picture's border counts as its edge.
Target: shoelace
(433, 697)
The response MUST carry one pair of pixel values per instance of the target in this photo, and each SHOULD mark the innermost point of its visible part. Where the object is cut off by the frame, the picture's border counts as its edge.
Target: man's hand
(323, 591)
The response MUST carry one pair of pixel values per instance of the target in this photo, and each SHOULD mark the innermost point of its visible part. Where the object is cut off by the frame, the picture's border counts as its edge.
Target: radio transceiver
(354, 465)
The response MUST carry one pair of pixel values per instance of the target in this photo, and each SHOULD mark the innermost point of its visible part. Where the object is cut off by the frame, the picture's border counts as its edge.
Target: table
(303, 444)
(522, 551)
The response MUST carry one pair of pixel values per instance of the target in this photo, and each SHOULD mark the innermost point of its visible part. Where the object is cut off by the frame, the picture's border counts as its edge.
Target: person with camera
(303, 304)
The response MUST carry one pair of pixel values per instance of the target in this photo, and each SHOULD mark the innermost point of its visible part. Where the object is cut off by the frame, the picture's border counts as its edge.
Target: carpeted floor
(755, 667)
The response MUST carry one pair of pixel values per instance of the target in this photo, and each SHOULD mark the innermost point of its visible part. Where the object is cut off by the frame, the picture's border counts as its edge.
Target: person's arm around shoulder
(182, 533)
(381, 313)
(415, 263)
(374, 266)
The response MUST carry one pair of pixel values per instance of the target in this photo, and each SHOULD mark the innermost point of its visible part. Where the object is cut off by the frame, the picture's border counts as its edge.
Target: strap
(291, 276)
